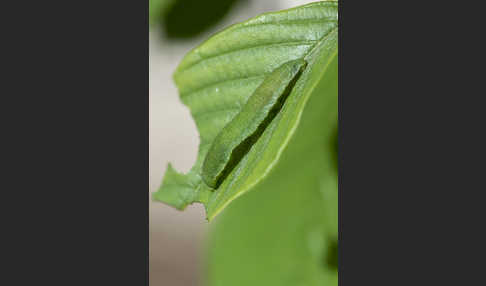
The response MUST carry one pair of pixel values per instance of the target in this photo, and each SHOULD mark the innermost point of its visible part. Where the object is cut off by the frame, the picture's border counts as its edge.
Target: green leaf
(284, 232)
(181, 190)
(189, 18)
(216, 79)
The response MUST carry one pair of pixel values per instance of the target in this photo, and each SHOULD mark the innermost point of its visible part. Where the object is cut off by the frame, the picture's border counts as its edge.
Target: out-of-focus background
(176, 238)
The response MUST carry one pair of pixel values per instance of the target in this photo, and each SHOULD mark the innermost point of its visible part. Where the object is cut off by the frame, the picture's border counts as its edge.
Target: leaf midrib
(229, 199)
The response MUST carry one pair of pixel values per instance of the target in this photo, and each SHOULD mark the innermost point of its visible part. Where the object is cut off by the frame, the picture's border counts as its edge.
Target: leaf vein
(214, 84)
(283, 43)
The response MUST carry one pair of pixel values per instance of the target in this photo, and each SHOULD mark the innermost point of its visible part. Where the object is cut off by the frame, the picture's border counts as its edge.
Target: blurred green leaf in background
(188, 18)
(157, 8)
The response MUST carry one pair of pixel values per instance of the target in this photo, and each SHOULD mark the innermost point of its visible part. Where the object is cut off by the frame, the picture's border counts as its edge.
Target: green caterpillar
(236, 138)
